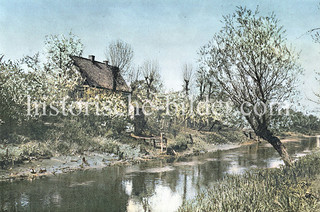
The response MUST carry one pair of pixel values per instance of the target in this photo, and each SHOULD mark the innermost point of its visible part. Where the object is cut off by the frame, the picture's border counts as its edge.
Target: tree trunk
(187, 87)
(277, 145)
(210, 87)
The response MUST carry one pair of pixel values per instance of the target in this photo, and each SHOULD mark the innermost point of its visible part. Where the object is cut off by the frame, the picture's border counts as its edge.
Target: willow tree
(120, 54)
(252, 63)
(152, 79)
(187, 74)
(316, 38)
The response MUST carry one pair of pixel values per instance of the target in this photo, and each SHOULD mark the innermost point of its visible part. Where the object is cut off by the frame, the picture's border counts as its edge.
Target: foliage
(207, 84)
(223, 137)
(295, 121)
(251, 60)
(252, 63)
(180, 144)
(60, 71)
(170, 112)
(316, 38)
(50, 82)
(14, 86)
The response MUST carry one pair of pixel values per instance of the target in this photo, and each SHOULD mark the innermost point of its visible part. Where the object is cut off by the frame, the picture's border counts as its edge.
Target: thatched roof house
(100, 75)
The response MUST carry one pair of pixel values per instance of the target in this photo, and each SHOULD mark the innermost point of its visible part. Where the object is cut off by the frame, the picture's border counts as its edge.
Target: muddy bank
(37, 168)
(32, 159)
(33, 168)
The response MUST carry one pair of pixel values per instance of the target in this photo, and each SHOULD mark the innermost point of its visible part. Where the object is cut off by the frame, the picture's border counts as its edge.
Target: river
(149, 186)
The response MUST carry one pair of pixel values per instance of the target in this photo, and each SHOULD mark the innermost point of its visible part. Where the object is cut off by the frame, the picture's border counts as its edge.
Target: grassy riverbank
(21, 148)
(280, 189)
(21, 154)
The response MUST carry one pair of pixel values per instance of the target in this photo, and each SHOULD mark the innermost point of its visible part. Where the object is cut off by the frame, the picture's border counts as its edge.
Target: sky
(168, 31)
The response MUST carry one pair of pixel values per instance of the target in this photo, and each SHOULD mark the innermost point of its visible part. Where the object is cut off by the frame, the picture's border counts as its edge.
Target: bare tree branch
(120, 54)
(151, 75)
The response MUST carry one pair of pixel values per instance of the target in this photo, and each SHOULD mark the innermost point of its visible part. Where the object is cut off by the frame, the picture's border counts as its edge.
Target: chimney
(106, 62)
(91, 57)
(115, 73)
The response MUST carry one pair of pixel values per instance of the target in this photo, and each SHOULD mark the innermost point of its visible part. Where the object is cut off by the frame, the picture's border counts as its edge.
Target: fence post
(161, 140)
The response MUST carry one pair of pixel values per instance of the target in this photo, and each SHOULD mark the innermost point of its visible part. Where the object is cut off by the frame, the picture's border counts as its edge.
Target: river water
(150, 186)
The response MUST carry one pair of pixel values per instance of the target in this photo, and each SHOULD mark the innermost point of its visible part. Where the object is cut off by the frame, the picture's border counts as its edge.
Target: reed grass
(281, 189)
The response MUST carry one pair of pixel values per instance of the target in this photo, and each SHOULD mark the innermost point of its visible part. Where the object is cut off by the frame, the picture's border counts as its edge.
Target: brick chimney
(106, 62)
(91, 57)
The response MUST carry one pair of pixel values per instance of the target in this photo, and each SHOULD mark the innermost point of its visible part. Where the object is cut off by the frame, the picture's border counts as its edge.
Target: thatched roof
(100, 75)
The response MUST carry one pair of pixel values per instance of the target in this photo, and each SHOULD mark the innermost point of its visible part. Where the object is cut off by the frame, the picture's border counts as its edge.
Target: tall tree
(201, 80)
(11, 78)
(187, 73)
(134, 78)
(120, 54)
(59, 66)
(205, 81)
(59, 48)
(252, 63)
(316, 38)
(151, 74)
(15, 85)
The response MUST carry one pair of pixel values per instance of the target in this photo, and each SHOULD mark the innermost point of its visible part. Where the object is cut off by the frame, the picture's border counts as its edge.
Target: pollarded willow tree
(252, 63)
(187, 74)
(120, 54)
(152, 78)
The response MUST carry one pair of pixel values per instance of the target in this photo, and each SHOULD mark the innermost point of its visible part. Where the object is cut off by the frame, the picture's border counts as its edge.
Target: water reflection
(152, 186)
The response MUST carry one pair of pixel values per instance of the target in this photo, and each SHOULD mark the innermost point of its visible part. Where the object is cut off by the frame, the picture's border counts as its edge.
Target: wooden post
(191, 139)
(161, 143)
(165, 141)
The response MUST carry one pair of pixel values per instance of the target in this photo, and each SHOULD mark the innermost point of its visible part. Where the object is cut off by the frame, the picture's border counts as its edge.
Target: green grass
(283, 189)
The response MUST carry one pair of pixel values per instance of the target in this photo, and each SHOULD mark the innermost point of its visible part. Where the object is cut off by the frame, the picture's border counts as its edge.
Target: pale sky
(168, 31)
